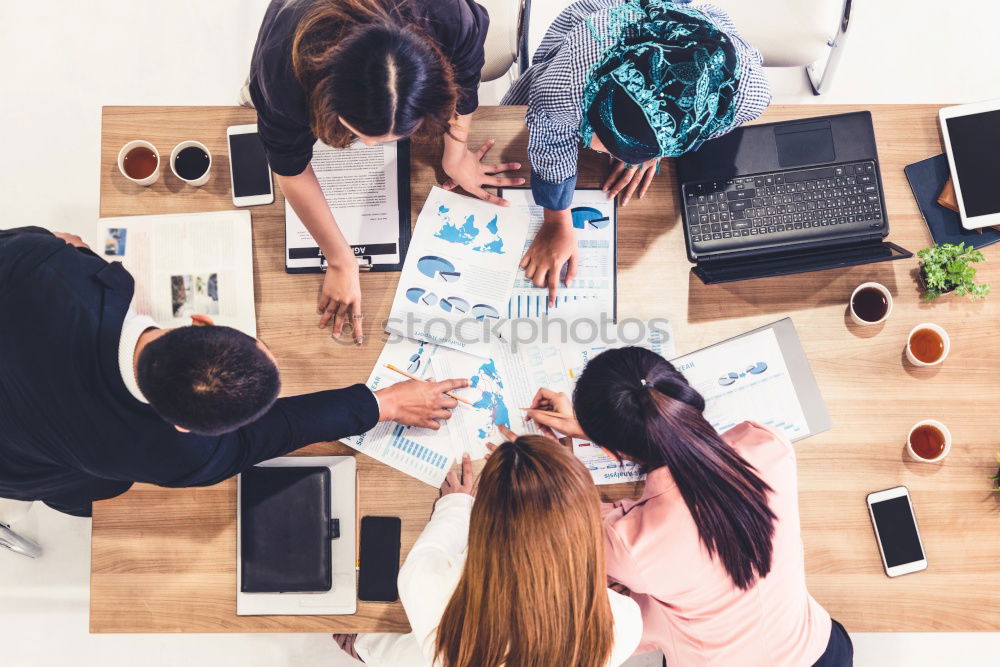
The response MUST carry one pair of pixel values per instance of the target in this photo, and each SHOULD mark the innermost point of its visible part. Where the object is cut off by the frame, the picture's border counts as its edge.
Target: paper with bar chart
(746, 378)
(457, 277)
(594, 221)
(419, 452)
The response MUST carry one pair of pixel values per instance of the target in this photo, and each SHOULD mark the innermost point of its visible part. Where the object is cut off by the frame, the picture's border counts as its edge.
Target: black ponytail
(637, 405)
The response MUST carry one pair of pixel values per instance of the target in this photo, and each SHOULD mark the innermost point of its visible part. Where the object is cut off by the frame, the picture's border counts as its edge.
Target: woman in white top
(510, 572)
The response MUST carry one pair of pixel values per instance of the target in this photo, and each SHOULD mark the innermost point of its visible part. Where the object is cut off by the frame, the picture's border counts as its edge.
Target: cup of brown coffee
(139, 162)
(929, 441)
(927, 345)
(871, 303)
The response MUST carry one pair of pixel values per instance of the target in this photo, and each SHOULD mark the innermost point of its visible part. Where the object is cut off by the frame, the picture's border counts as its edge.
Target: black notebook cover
(927, 179)
(285, 530)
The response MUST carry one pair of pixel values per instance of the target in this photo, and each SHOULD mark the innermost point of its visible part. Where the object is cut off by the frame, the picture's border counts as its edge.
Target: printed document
(458, 273)
(187, 264)
(595, 224)
(361, 187)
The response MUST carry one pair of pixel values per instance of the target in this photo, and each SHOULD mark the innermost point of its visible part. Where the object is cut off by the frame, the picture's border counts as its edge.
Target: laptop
(782, 198)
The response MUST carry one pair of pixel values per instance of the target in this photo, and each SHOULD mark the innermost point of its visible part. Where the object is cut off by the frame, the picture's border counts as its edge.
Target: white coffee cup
(935, 328)
(939, 426)
(201, 180)
(888, 302)
(149, 180)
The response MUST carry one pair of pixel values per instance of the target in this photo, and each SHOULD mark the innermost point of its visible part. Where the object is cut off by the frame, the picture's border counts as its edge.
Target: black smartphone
(379, 556)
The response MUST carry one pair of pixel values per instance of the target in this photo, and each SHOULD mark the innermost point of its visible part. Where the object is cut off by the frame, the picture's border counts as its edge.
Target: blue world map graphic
(495, 408)
(468, 233)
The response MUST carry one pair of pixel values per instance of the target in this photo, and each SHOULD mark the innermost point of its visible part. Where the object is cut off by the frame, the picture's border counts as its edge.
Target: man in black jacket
(94, 397)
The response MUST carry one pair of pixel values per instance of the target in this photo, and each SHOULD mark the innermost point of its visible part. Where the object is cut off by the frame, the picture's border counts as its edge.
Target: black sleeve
(460, 27)
(292, 423)
(288, 142)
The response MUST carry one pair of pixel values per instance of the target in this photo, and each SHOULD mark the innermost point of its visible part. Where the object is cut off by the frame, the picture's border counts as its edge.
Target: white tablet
(972, 140)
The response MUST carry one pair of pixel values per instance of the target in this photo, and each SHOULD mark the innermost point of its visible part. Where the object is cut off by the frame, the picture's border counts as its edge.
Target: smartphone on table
(379, 558)
(248, 169)
(896, 531)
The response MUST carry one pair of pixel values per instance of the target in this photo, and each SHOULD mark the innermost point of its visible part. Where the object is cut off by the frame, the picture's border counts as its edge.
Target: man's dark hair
(209, 380)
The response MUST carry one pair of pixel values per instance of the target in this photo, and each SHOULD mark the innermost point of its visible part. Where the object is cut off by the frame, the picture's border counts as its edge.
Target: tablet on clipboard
(368, 191)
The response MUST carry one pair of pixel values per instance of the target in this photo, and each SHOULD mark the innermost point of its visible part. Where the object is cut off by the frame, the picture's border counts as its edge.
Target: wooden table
(164, 559)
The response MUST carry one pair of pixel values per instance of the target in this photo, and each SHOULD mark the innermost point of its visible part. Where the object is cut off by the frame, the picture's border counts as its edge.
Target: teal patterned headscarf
(664, 85)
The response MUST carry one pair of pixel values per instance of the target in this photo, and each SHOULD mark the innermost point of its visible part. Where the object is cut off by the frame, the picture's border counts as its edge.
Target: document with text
(187, 264)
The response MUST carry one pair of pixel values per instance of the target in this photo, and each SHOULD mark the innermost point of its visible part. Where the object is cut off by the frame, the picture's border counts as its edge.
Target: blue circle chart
(588, 217)
(420, 295)
(482, 312)
(438, 267)
(454, 303)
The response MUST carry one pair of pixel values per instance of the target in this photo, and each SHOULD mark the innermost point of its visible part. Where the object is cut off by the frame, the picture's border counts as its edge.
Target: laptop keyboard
(784, 207)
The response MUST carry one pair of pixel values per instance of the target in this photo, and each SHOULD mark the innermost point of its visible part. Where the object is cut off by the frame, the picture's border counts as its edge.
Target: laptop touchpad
(804, 143)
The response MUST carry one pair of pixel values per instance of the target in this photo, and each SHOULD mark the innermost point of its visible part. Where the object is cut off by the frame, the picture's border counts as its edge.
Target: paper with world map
(459, 272)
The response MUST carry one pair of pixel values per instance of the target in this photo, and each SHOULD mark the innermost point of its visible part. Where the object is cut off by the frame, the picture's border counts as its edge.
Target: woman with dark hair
(712, 551)
(639, 80)
(509, 572)
(374, 71)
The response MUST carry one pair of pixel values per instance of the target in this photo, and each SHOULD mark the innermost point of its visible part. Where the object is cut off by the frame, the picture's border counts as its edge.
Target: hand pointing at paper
(418, 403)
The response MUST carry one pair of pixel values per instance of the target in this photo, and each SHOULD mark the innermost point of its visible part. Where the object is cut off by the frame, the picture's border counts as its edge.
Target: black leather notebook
(927, 178)
(285, 530)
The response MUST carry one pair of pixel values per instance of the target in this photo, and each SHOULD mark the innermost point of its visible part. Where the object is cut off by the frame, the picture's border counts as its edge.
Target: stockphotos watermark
(468, 331)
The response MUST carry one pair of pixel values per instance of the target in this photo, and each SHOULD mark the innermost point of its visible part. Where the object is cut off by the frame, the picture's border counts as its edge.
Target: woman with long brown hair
(510, 572)
(374, 71)
(712, 551)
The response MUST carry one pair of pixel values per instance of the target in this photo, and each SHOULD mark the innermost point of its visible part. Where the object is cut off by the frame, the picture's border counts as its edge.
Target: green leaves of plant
(948, 266)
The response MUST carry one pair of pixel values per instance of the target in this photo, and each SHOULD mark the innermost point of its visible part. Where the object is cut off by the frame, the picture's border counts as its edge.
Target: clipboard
(302, 255)
(803, 381)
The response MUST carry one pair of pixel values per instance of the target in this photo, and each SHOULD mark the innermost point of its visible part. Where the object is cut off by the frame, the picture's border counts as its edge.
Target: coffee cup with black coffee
(191, 162)
(139, 162)
(871, 303)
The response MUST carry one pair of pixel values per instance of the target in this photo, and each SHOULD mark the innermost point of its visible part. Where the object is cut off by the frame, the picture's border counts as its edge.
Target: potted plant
(948, 267)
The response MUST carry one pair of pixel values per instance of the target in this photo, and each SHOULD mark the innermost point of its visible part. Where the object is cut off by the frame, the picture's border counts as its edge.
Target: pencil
(549, 413)
(414, 377)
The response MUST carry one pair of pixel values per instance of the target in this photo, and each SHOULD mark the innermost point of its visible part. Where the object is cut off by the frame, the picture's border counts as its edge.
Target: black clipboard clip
(364, 262)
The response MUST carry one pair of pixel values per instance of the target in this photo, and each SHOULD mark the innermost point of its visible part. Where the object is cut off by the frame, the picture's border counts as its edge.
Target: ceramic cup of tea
(929, 441)
(139, 162)
(871, 303)
(927, 345)
(190, 161)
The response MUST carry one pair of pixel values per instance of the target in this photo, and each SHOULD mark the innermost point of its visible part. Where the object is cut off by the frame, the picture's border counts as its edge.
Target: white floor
(65, 59)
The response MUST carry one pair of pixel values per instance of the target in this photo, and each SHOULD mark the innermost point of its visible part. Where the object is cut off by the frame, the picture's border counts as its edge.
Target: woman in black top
(372, 70)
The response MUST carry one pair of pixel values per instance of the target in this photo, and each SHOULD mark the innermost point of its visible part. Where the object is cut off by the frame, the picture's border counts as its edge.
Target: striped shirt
(553, 86)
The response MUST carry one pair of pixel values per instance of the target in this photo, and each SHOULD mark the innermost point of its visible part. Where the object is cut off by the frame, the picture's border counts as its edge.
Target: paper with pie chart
(459, 271)
(746, 379)
(594, 222)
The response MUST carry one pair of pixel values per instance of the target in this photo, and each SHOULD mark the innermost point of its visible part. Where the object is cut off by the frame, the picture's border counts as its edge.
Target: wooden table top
(163, 560)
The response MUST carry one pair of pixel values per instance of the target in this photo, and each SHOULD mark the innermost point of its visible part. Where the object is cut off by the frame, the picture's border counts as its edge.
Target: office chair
(795, 33)
(10, 512)
(507, 37)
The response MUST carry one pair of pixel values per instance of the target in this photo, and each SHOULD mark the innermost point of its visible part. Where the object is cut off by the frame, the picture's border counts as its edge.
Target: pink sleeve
(617, 557)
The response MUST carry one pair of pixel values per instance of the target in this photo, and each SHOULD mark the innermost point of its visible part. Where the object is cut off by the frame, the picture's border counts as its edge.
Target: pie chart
(438, 267)
(588, 217)
(420, 295)
(484, 312)
(757, 369)
(454, 303)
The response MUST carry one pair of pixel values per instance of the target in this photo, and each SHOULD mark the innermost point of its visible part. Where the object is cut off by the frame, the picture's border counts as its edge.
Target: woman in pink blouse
(712, 551)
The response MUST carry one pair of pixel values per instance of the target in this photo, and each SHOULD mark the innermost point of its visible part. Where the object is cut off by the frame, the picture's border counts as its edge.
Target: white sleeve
(434, 566)
(628, 627)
